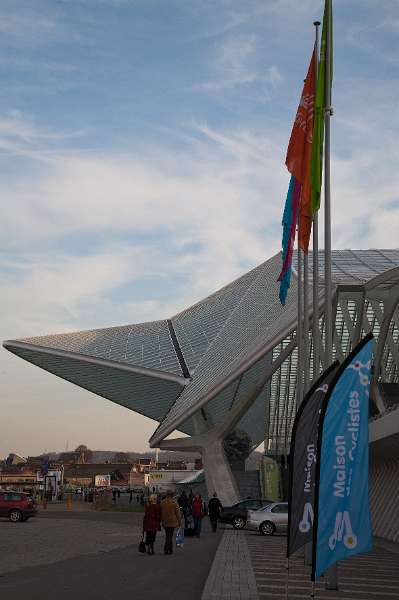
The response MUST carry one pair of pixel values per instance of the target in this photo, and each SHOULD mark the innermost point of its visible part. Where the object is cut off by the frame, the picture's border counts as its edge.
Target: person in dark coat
(183, 503)
(151, 522)
(214, 509)
(190, 499)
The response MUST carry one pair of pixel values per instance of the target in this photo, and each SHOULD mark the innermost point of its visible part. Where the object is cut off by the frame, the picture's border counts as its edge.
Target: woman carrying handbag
(151, 523)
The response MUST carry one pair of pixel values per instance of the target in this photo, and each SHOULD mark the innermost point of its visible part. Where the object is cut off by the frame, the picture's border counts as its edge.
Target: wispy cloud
(236, 64)
(22, 136)
(205, 208)
(215, 221)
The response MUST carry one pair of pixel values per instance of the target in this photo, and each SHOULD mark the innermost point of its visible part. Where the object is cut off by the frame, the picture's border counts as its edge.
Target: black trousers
(169, 540)
(214, 523)
(150, 537)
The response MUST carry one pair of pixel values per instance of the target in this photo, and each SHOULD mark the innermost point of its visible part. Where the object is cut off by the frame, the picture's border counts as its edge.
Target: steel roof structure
(229, 362)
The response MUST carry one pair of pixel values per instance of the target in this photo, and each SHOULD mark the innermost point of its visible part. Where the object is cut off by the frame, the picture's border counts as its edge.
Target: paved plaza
(93, 555)
(249, 566)
(369, 576)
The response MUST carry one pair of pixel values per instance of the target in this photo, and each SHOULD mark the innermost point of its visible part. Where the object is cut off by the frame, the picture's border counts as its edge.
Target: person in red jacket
(151, 522)
(197, 511)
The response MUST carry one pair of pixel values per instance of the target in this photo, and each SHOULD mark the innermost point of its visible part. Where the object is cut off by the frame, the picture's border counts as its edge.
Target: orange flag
(300, 150)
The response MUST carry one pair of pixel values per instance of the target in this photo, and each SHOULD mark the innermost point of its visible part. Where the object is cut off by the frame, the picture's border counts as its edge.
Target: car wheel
(267, 528)
(15, 515)
(239, 522)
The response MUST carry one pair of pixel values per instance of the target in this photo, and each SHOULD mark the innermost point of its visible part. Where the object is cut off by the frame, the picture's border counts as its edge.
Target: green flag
(316, 161)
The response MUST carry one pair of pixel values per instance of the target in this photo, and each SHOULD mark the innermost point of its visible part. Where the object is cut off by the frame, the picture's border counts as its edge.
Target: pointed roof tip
(145, 345)
(145, 391)
(19, 347)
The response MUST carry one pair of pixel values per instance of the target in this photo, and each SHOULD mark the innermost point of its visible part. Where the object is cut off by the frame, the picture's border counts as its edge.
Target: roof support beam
(389, 310)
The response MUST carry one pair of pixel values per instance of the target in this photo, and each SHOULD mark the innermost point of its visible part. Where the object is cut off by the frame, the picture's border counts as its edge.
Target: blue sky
(142, 147)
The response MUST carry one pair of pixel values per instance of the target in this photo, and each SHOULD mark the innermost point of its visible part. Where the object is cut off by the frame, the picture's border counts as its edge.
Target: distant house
(27, 475)
(13, 476)
(15, 459)
(122, 474)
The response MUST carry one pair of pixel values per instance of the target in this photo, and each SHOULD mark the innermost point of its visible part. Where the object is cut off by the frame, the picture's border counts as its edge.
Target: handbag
(142, 547)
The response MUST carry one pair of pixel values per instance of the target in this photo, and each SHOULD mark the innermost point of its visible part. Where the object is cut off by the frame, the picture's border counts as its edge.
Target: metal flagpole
(306, 362)
(305, 323)
(332, 573)
(327, 194)
(299, 387)
(315, 325)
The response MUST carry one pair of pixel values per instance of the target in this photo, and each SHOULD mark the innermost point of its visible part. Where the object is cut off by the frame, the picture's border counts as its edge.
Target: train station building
(223, 372)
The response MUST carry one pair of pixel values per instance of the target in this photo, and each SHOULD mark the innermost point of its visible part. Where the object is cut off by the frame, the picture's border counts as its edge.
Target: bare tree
(85, 452)
(121, 457)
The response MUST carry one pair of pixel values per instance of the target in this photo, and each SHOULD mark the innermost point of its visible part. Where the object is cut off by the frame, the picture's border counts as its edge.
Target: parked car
(269, 519)
(17, 506)
(236, 515)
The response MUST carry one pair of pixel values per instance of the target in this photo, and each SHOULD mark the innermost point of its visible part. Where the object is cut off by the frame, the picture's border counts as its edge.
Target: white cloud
(20, 135)
(205, 209)
(203, 217)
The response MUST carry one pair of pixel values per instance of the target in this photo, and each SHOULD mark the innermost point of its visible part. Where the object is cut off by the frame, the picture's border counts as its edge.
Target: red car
(17, 506)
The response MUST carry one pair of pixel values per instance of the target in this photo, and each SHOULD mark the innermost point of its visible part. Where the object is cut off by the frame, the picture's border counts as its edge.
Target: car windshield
(264, 507)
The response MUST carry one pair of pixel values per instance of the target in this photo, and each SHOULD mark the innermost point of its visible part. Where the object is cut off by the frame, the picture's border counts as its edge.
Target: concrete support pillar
(218, 474)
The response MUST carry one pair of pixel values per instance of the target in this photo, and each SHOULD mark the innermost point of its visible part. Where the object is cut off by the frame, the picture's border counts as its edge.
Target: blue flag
(342, 525)
(289, 228)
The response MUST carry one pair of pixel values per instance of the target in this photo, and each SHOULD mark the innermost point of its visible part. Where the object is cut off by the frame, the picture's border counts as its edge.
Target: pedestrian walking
(130, 497)
(214, 509)
(151, 522)
(190, 499)
(170, 514)
(183, 503)
(113, 495)
(197, 510)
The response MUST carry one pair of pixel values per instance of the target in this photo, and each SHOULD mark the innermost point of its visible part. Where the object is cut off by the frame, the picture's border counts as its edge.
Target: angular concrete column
(218, 474)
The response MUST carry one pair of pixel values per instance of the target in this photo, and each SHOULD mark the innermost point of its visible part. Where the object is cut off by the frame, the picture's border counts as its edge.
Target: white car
(269, 519)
